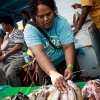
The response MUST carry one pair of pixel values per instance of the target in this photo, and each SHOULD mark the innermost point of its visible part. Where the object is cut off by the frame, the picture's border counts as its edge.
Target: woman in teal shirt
(54, 58)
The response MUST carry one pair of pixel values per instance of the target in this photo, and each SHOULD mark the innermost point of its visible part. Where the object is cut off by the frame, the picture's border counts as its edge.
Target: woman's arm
(46, 65)
(1, 41)
(69, 50)
(43, 60)
(15, 49)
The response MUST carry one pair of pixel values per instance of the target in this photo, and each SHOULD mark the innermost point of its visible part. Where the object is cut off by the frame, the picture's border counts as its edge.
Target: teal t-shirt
(60, 33)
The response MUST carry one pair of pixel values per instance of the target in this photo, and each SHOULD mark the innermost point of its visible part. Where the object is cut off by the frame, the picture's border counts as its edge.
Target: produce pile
(51, 93)
(90, 91)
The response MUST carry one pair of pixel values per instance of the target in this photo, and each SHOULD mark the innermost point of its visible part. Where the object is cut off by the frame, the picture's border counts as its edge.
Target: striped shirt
(16, 37)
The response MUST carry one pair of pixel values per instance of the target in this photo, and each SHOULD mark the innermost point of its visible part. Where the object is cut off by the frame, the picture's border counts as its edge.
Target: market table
(10, 91)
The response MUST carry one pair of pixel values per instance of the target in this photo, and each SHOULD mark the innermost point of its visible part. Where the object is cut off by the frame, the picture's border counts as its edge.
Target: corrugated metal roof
(13, 8)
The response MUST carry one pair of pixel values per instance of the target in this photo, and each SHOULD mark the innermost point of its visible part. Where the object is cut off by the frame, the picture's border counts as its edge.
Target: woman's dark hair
(34, 3)
(25, 12)
(7, 20)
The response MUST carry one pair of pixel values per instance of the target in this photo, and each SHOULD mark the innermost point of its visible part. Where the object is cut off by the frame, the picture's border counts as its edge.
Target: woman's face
(25, 16)
(5, 27)
(44, 16)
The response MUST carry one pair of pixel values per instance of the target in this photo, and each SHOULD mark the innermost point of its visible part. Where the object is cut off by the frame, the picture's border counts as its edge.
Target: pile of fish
(76, 17)
(19, 96)
(51, 93)
(91, 90)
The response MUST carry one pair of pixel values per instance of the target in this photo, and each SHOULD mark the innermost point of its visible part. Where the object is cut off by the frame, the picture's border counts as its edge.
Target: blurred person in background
(12, 48)
(91, 8)
(26, 18)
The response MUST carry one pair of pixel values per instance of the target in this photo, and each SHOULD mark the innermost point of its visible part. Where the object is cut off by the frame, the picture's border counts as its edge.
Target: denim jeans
(11, 70)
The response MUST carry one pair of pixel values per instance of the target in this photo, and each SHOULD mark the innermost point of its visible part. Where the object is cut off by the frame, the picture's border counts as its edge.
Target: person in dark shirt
(26, 18)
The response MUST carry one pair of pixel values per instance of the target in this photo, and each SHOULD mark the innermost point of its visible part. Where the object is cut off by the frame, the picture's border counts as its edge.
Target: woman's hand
(75, 31)
(59, 82)
(2, 58)
(68, 74)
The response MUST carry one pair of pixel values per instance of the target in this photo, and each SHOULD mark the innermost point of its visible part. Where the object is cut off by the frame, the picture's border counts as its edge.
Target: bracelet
(70, 66)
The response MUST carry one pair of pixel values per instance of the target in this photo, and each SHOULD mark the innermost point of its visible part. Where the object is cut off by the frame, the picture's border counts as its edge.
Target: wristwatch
(4, 55)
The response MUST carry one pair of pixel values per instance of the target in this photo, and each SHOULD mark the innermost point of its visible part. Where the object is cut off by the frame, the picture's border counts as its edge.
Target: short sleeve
(32, 35)
(18, 36)
(66, 34)
(87, 2)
